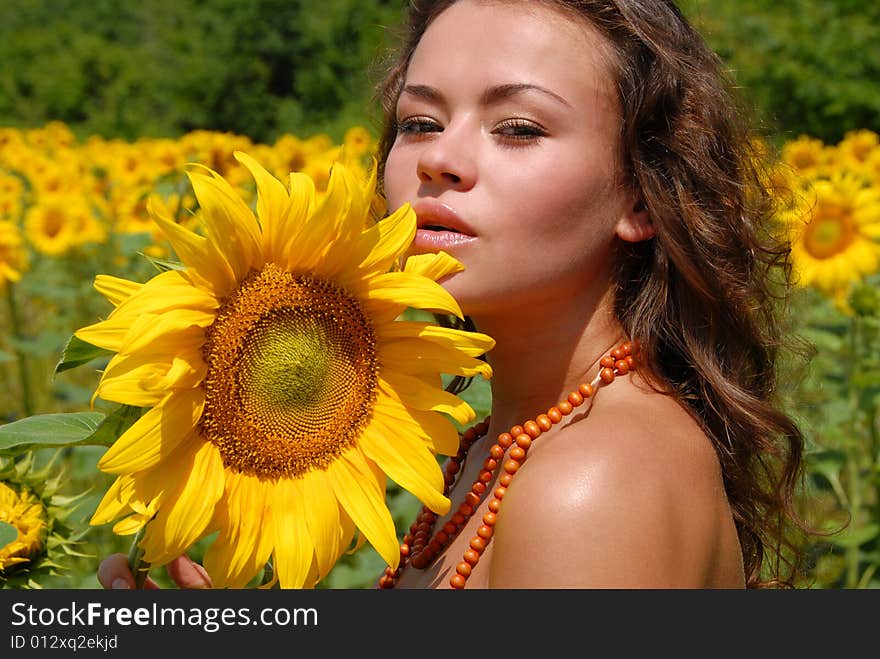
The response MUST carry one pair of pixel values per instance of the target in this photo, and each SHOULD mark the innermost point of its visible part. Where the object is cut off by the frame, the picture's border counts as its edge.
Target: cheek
(397, 169)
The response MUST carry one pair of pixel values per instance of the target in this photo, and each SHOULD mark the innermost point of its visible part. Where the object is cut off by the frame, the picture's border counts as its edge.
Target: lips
(439, 227)
(432, 215)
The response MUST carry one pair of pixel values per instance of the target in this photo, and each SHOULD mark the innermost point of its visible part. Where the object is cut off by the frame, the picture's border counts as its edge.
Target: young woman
(584, 162)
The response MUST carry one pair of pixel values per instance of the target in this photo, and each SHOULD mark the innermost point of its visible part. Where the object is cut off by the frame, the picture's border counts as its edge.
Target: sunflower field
(75, 216)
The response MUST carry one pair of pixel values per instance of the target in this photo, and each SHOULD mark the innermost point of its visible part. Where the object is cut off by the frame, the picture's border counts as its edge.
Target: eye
(519, 130)
(418, 126)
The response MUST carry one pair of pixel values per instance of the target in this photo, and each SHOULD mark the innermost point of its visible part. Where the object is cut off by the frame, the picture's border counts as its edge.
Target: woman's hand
(114, 574)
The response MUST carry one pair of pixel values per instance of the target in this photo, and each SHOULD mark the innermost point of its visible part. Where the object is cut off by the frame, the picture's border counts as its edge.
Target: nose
(447, 161)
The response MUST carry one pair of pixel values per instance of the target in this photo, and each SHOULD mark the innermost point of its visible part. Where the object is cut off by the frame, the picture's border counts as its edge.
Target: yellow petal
(323, 520)
(413, 392)
(412, 290)
(143, 380)
(381, 245)
(365, 504)
(183, 516)
(116, 290)
(273, 205)
(203, 260)
(245, 543)
(433, 266)
(229, 223)
(415, 356)
(470, 343)
(294, 547)
(112, 504)
(442, 435)
(408, 463)
(156, 434)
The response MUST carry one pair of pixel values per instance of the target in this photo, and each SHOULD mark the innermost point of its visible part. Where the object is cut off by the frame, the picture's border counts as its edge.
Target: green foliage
(835, 403)
(165, 67)
(809, 68)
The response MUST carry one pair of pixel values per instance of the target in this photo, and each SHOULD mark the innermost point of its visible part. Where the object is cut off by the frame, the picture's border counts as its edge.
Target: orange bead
(466, 509)
(500, 491)
(457, 519)
(544, 422)
(505, 439)
(478, 544)
(554, 414)
(472, 498)
(490, 464)
(630, 362)
(575, 398)
(517, 453)
(485, 476)
(404, 550)
(511, 466)
(450, 527)
(517, 430)
(505, 479)
(471, 557)
(489, 519)
(457, 582)
(621, 366)
(495, 505)
(478, 487)
(627, 347)
(523, 442)
(532, 429)
(441, 537)
(607, 375)
(618, 353)
(564, 407)
(497, 451)
(585, 389)
(607, 362)
(485, 532)
(464, 569)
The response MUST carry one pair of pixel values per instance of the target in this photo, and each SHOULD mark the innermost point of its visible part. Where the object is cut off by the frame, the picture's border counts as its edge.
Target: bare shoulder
(631, 495)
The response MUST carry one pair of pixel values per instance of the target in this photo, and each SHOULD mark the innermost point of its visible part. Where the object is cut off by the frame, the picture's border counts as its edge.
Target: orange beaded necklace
(419, 549)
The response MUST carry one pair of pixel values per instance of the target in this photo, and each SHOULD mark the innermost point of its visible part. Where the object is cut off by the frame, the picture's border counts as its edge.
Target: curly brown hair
(701, 298)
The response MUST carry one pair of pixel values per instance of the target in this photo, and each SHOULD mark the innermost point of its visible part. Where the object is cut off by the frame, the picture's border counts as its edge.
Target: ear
(635, 225)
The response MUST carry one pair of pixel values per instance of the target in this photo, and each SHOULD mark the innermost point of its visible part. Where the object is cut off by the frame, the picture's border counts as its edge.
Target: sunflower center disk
(292, 374)
(829, 233)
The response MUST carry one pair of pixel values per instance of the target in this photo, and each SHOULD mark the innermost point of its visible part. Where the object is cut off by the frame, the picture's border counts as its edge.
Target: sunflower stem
(23, 374)
(139, 567)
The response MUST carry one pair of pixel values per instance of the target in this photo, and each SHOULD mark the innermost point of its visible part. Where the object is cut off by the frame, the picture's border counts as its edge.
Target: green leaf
(116, 423)
(163, 265)
(48, 431)
(850, 539)
(77, 352)
(8, 534)
(6, 357)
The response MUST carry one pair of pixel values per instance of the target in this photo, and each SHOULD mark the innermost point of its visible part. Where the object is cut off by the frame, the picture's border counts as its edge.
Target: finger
(115, 574)
(186, 573)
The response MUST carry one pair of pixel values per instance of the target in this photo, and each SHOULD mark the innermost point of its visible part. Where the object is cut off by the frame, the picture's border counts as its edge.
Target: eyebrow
(492, 95)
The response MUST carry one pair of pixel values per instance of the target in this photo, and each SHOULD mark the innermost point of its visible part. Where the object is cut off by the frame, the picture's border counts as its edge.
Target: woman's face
(508, 149)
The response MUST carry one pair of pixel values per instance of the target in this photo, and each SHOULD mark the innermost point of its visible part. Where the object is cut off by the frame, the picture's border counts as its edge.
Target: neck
(539, 357)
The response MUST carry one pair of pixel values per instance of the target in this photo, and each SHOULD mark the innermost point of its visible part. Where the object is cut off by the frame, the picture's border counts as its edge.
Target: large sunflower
(835, 230)
(282, 387)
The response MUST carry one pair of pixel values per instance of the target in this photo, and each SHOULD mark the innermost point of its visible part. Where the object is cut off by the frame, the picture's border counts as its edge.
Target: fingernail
(120, 584)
